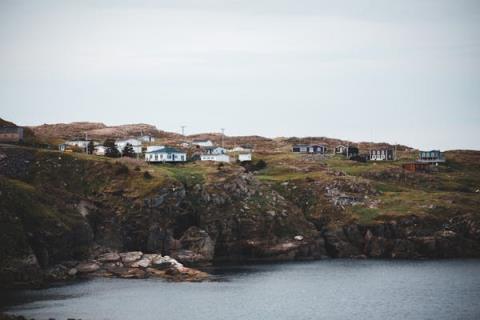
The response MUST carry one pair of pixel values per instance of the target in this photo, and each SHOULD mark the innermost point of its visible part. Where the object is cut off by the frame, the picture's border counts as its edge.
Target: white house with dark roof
(166, 154)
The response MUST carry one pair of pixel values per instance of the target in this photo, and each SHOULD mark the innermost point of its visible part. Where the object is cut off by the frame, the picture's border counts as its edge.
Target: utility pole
(223, 136)
(183, 131)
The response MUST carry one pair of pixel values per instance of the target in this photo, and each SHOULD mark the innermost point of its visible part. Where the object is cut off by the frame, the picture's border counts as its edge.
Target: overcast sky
(405, 71)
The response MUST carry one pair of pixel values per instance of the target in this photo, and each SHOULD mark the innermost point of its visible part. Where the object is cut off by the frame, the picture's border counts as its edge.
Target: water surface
(333, 289)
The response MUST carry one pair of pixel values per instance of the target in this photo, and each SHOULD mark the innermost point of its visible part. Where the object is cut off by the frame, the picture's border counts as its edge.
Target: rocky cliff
(56, 209)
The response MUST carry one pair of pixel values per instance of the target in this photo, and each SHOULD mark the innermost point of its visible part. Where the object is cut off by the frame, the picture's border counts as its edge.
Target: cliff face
(56, 207)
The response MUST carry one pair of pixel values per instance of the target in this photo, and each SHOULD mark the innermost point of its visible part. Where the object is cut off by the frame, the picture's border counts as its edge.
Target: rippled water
(334, 289)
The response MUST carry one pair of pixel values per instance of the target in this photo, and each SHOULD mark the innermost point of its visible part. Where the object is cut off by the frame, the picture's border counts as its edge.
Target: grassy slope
(449, 190)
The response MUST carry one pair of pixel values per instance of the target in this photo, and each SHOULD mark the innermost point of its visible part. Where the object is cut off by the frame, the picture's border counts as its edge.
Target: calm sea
(331, 289)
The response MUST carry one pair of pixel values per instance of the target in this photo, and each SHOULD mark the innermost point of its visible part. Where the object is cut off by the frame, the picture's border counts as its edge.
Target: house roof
(212, 148)
(308, 145)
(166, 150)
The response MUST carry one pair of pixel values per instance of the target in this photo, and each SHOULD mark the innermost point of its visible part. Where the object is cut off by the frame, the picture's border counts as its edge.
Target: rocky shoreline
(125, 265)
(63, 217)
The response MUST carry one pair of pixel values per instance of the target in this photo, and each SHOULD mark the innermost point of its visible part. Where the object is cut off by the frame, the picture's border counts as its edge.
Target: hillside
(58, 207)
(55, 133)
(78, 130)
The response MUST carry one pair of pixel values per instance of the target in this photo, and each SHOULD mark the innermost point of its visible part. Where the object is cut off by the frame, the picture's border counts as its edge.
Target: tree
(90, 147)
(128, 151)
(111, 149)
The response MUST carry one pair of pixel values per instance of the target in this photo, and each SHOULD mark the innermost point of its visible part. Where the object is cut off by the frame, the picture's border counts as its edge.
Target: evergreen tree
(111, 149)
(90, 147)
(128, 151)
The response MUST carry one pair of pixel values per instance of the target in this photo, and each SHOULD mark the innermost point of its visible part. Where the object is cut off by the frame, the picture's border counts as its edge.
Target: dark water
(335, 289)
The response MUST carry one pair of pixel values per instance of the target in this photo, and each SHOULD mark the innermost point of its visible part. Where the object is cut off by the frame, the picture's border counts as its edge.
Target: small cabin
(383, 154)
(434, 156)
(166, 154)
(416, 167)
(244, 157)
(340, 149)
(11, 134)
(347, 151)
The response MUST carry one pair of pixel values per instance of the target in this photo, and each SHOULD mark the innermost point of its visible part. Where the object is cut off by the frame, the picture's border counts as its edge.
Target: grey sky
(397, 71)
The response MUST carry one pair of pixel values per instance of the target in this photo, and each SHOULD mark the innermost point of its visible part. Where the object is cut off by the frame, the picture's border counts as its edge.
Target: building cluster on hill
(424, 161)
(202, 150)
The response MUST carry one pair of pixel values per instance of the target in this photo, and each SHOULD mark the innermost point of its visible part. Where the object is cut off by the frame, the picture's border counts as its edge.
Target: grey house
(433, 156)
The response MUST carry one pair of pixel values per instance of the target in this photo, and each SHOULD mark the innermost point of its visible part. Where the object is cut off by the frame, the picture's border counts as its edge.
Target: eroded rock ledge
(127, 265)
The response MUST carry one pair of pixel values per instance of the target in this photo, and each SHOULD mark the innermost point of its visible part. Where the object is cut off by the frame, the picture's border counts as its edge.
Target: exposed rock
(87, 267)
(197, 246)
(129, 257)
(163, 263)
(109, 257)
(143, 263)
(72, 272)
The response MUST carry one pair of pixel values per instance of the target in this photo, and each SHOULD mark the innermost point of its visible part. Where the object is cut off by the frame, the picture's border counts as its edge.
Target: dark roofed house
(11, 134)
(434, 156)
(310, 148)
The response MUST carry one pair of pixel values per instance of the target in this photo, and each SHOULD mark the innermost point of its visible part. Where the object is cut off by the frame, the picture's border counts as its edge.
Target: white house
(240, 149)
(100, 150)
(136, 144)
(242, 157)
(202, 143)
(215, 157)
(153, 148)
(166, 154)
(147, 138)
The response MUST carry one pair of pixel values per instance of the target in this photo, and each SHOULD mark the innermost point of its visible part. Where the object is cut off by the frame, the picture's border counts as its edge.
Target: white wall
(215, 157)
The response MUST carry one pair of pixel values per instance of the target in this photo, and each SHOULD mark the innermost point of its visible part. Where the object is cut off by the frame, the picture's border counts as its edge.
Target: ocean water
(330, 289)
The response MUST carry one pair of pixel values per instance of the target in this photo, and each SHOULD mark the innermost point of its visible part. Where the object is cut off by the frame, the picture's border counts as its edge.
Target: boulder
(142, 263)
(109, 257)
(72, 272)
(87, 267)
(130, 257)
(163, 263)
